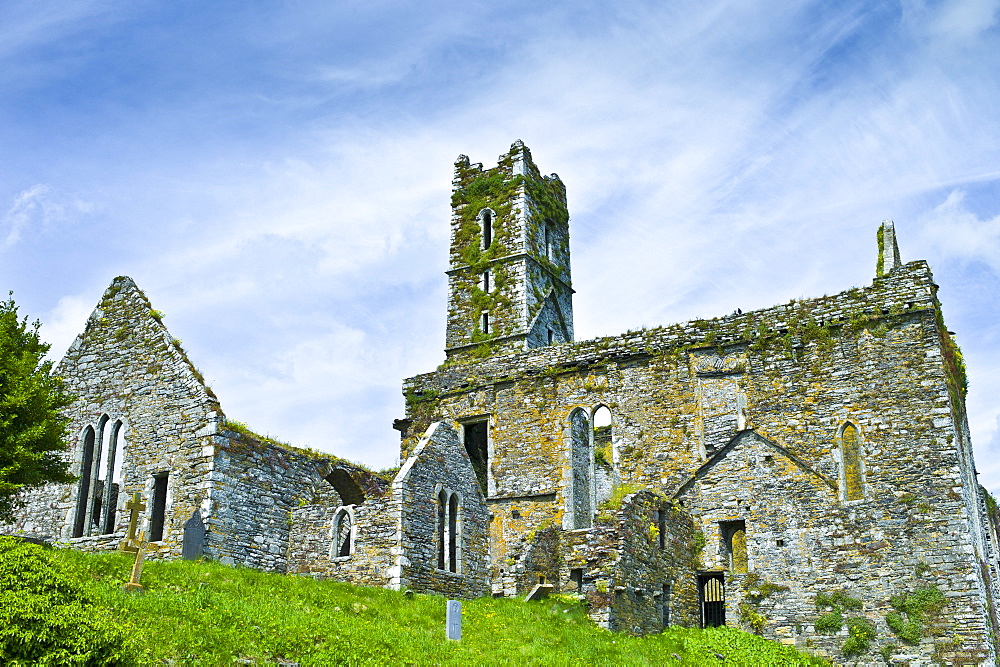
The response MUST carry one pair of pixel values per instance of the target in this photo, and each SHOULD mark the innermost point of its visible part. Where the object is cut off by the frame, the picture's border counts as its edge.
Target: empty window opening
(449, 531)
(712, 596)
(110, 479)
(343, 533)
(485, 283)
(157, 518)
(86, 465)
(734, 545)
(442, 536)
(665, 605)
(661, 525)
(852, 475)
(552, 336)
(581, 458)
(476, 435)
(99, 485)
(603, 452)
(780, 543)
(576, 579)
(484, 322)
(453, 533)
(486, 219)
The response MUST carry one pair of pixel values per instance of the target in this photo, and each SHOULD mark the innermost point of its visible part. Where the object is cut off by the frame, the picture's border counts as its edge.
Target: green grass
(207, 613)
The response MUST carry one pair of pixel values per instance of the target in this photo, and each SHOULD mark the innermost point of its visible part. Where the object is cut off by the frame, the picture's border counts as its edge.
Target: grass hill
(61, 606)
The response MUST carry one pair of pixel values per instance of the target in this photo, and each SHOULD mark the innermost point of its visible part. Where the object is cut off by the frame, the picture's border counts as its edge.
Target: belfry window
(485, 284)
(486, 221)
(484, 323)
(852, 475)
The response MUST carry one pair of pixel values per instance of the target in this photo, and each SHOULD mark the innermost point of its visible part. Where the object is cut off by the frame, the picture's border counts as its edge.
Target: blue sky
(276, 176)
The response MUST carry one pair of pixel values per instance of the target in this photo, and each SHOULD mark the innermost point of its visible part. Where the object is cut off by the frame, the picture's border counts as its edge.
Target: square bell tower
(509, 286)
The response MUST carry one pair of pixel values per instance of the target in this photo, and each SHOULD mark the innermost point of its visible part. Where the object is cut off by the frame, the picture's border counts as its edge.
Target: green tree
(32, 428)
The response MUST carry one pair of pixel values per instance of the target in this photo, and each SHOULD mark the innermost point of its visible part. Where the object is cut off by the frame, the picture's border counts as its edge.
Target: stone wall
(311, 544)
(751, 408)
(627, 561)
(126, 367)
(440, 462)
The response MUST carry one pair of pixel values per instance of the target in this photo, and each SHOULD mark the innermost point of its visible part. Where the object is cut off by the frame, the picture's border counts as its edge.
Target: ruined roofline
(516, 161)
(105, 311)
(909, 288)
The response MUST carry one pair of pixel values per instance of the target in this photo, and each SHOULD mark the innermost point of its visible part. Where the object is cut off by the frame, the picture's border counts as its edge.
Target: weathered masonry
(814, 451)
(802, 471)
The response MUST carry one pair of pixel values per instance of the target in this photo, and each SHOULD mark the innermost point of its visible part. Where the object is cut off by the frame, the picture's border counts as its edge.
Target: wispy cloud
(278, 180)
(36, 210)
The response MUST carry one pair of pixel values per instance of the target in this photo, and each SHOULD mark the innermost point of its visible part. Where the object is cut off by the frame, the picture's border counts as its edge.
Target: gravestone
(453, 624)
(539, 592)
(194, 537)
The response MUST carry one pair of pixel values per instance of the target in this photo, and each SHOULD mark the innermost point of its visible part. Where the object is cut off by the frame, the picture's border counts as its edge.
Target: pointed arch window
(87, 440)
(102, 457)
(343, 533)
(852, 467)
(449, 531)
(581, 462)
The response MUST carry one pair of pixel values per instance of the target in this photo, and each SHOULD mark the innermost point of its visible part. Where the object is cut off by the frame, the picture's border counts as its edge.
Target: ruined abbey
(802, 471)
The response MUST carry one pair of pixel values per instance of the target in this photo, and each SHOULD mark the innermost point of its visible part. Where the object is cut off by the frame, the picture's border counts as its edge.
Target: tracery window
(101, 459)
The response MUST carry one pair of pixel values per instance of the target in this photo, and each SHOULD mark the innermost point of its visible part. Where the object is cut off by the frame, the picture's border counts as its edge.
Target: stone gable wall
(126, 365)
(440, 461)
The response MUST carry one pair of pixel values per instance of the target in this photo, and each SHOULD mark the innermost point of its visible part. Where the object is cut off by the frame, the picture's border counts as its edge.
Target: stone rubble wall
(794, 375)
(440, 461)
(126, 365)
(625, 568)
(255, 489)
(310, 542)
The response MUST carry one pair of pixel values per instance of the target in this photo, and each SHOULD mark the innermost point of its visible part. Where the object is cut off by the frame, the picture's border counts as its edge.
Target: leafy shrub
(918, 607)
(862, 632)
(47, 618)
(830, 622)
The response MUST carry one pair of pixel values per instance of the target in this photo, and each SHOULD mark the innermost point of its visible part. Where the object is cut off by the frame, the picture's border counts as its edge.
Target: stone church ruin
(776, 470)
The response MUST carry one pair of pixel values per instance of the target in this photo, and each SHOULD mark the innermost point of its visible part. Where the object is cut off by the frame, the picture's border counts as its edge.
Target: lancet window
(449, 531)
(101, 460)
(343, 533)
(852, 469)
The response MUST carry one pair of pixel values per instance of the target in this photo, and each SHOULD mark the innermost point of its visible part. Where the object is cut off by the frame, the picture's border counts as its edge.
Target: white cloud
(958, 233)
(716, 155)
(62, 324)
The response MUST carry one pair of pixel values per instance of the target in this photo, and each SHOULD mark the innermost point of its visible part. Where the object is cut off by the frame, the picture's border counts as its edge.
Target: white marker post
(453, 623)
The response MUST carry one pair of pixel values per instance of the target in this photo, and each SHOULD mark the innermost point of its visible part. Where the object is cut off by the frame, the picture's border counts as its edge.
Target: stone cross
(133, 544)
(140, 556)
(134, 506)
